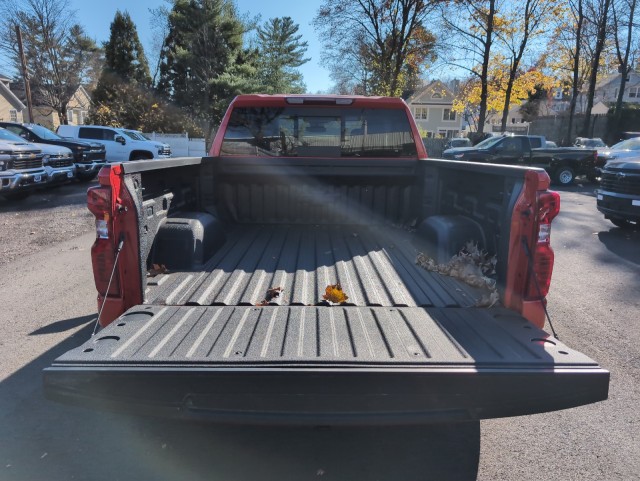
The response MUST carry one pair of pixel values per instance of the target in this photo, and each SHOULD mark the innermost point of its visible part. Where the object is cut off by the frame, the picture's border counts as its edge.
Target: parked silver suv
(21, 167)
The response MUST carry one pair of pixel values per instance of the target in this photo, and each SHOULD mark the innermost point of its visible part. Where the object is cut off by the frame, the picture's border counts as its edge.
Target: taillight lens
(543, 257)
(99, 203)
(103, 251)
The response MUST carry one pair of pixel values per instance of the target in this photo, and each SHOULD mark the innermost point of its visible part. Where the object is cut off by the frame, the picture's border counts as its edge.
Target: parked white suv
(121, 147)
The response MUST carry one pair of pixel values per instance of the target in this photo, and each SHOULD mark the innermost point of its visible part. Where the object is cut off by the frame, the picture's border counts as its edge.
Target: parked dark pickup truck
(619, 193)
(563, 164)
(277, 281)
(89, 157)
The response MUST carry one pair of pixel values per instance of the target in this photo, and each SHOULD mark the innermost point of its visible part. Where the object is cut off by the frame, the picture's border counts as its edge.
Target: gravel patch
(45, 218)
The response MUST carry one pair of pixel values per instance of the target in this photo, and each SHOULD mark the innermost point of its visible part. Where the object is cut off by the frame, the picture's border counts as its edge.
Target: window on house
(448, 114)
(70, 116)
(558, 94)
(634, 92)
(82, 116)
(436, 96)
(421, 113)
(13, 115)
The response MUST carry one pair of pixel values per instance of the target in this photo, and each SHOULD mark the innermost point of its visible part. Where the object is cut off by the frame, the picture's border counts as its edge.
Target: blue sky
(96, 18)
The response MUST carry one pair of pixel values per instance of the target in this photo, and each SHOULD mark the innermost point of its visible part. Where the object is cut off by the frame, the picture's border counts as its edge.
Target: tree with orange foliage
(521, 25)
(524, 84)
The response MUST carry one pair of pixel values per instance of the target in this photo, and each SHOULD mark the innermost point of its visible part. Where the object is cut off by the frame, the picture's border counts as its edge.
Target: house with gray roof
(11, 108)
(432, 109)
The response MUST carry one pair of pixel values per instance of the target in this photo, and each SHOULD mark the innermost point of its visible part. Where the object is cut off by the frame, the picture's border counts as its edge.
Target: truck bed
(375, 265)
(320, 364)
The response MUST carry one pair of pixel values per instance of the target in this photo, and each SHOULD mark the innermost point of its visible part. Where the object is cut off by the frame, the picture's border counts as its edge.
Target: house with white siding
(432, 109)
(11, 108)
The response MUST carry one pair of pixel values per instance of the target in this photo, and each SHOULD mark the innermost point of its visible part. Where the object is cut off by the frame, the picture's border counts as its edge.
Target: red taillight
(548, 208)
(99, 202)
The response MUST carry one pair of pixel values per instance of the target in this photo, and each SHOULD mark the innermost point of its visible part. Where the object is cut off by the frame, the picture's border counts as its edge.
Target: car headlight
(2, 166)
(458, 156)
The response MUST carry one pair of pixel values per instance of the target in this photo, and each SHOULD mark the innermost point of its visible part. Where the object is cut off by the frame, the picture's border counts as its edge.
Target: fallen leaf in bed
(471, 265)
(157, 269)
(334, 293)
(272, 293)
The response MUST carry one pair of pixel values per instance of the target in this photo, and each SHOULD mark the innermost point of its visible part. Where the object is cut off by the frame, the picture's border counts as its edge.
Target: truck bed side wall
(484, 193)
(308, 191)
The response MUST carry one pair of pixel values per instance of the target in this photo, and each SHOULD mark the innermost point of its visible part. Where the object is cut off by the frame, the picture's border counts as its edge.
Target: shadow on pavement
(580, 186)
(46, 440)
(624, 243)
(65, 325)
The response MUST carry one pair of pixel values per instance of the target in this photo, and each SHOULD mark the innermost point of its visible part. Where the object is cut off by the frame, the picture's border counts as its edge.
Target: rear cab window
(314, 131)
(535, 142)
(96, 133)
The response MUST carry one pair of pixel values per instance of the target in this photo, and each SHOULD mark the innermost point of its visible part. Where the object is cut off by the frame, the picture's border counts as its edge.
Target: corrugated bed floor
(375, 266)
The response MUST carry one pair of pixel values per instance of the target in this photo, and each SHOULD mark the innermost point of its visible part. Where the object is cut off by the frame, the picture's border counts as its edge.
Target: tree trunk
(576, 73)
(485, 68)
(505, 110)
(602, 33)
(624, 68)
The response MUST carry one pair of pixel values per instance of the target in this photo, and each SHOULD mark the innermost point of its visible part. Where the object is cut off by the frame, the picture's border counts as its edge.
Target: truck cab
(120, 146)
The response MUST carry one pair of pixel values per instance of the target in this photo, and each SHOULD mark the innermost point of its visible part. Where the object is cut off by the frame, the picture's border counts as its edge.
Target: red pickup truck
(277, 280)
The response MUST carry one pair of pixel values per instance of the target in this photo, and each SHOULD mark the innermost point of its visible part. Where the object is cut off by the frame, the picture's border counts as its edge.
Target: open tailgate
(322, 365)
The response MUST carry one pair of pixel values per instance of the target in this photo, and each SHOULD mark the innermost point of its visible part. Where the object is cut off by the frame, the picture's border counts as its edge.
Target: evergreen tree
(124, 55)
(281, 51)
(123, 97)
(125, 65)
(203, 63)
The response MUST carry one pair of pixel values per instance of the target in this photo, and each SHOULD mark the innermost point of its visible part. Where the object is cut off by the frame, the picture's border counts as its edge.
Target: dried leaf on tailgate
(334, 293)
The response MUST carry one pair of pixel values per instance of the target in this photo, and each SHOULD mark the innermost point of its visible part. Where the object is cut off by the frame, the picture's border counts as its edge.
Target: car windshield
(318, 132)
(135, 135)
(486, 143)
(43, 132)
(6, 135)
(594, 143)
(629, 144)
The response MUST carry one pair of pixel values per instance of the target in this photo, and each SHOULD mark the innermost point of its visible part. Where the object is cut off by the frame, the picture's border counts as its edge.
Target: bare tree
(389, 38)
(598, 16)
(623, 23)
(521, 27)
(60, 57)
(468, 29)
(578, 15)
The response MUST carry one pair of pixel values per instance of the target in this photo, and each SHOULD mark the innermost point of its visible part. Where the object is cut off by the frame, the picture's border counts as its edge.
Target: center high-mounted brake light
(319, 101)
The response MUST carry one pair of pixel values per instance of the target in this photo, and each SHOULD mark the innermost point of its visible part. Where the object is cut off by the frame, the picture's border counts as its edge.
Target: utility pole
(25, 74)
